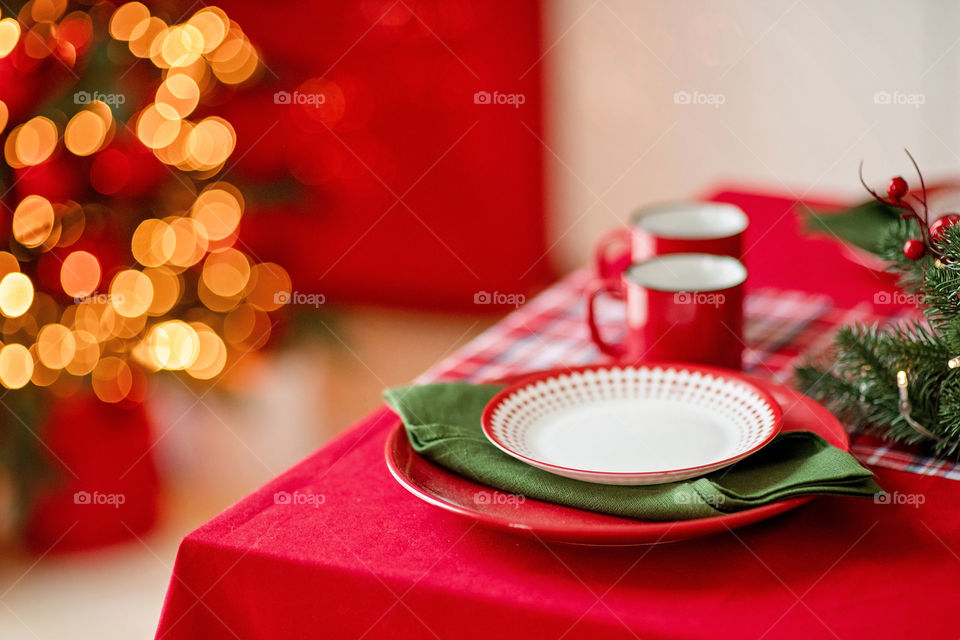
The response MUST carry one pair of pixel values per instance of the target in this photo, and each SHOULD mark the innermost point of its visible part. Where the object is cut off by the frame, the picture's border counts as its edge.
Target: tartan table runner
(781, 329)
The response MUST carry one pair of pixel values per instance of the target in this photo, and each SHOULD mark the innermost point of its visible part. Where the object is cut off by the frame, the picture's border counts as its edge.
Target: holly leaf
(864, 226)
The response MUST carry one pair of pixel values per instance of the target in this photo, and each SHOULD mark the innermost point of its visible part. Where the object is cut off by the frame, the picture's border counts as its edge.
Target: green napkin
(864, 225)
(443, 424)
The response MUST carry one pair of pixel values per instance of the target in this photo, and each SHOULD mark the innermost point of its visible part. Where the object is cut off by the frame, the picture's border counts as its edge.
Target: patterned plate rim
(728, 374)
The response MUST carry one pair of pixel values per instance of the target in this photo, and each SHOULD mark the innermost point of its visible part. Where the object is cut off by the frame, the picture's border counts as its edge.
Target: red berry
(897, 188)
(940, 225)
(913, 248)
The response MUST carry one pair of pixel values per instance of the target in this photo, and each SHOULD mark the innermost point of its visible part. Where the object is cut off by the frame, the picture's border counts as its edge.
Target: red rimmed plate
(566, 524)
(649, 423)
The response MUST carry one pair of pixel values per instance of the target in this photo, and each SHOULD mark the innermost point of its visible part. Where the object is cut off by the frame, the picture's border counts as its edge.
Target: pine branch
(861, 386)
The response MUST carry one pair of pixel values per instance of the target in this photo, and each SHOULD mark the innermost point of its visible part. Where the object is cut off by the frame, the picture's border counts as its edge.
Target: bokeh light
(182, 45)
(198, 71)
(144, 34)
(175, 153)
(85, 133)
(127, 18)
(140, 354)
(40, 40)
(23, 326)
(191, 242)
(246, 327)
(86, 355)
(235, 60)
(9, 36)
(131, 293)
(211, 353)
(213, 23)
(226, 272)
(218, 210)
(75, 28)
(8, 263)
(166, 290)
(72, 222)
(158, 125)
(269, 287)
(87, 316)
(180, 92)
(80, 274)
(215, 302)
(31, 143)
(55, 346)
(210, 143)
(16, 294)
(111, 379)
(32, 221)
(153, 242)
(123, 327)
(16, 366)
(191, 301)
(174, 344)
(43, 376)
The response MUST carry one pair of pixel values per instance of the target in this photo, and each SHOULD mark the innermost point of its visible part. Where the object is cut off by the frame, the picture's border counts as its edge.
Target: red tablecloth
(360, 557)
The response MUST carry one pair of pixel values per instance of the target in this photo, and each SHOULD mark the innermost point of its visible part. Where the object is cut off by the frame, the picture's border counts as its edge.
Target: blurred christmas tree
(121, 232)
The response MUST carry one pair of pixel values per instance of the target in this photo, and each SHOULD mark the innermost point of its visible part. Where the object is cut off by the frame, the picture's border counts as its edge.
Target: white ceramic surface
(691, 220)
(632, 425)
(687, 272)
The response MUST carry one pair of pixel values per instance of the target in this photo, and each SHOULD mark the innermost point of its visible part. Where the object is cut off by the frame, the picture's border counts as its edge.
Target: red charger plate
(558, 523)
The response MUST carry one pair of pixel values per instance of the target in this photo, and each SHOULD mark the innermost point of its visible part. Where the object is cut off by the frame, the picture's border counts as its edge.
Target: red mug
(682, 307)
(675, 227)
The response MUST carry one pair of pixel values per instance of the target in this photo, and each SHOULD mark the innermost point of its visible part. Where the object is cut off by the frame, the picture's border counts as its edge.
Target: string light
(905, 407)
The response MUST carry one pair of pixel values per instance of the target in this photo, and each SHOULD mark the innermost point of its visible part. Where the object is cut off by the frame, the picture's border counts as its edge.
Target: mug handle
(605, 264)
(614, 287)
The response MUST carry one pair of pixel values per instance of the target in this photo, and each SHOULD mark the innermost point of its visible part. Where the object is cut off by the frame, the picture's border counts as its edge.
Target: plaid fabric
(781, 328)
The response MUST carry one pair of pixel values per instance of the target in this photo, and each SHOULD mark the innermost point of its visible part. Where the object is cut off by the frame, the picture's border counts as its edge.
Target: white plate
(632, 425)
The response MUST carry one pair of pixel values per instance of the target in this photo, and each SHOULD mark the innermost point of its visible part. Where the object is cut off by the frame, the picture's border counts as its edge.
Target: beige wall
(796, 81)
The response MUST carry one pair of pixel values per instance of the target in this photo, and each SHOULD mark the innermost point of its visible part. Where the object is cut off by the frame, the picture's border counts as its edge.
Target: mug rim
(641, 213)
(674, 256)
